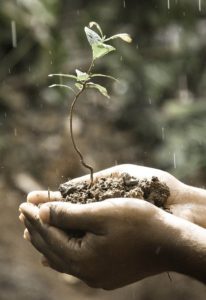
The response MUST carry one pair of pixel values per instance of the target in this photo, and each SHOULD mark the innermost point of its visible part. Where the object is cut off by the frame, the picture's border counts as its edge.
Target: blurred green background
(155, 117)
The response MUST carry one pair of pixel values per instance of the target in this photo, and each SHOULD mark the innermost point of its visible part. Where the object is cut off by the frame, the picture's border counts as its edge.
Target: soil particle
(116, 186)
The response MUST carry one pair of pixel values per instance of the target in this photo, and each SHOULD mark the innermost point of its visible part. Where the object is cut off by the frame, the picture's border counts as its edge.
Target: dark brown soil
(116, 186)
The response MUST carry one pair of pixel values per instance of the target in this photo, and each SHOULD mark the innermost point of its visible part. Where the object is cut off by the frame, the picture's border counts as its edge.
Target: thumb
(64, 215)
(39, 197)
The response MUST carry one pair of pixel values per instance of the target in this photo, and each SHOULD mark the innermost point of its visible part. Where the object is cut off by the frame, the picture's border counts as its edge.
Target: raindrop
(150, 101)
(77, 12)
(121, 58)
(200, 5)
(51, 62)
(5, 115)
(174, 160)
(15, 132)
(124, 3)
(163, 133)
(168, 4)
(13, 34)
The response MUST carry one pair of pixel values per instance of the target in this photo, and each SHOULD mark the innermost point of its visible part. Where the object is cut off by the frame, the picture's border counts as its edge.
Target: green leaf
(63, 75)
(82, 76)
(62, 85)
(99, 87)
(79, 86)
(91, 24)
(92, 36)
(103, 75)
(124, 36)
(99, 49)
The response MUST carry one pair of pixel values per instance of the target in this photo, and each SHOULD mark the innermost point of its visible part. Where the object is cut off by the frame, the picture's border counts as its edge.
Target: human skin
(185, 201)
(122, 240)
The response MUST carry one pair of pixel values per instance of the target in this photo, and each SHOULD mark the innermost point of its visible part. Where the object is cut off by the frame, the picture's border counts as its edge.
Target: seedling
(83, 80)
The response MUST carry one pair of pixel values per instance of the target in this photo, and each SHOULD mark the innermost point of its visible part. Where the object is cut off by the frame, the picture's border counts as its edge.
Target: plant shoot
(83, 80)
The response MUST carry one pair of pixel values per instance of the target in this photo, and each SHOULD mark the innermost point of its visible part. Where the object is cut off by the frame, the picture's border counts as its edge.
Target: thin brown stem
(72, 135)
(90, 67)
(71, 127)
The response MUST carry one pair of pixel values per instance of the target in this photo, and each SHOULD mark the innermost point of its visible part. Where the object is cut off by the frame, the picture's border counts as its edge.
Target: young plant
(83, 80)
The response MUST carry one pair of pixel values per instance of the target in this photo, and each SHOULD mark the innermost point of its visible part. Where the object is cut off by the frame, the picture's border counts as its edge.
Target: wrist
(185, 250)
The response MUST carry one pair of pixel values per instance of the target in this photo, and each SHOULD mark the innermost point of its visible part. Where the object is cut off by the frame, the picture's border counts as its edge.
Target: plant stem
(71, 128)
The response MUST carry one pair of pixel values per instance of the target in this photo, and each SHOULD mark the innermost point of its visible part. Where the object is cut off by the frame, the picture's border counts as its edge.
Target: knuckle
(57, 213)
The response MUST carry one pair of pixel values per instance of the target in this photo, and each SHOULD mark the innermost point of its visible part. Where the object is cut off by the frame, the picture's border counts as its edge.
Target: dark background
(155, 117)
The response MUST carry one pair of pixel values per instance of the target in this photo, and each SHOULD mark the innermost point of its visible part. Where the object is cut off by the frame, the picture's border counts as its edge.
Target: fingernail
(26, 235)
(22, 218)
(22, 206)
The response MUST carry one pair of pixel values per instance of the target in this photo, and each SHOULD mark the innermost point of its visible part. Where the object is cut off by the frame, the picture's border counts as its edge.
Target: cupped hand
(184, 201)
(122, 240)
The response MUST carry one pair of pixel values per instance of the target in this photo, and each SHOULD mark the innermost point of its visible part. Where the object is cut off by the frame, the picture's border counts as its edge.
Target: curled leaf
(91, 24)
(124, 36)
(103, 75)
(92, 36)
(99, 87)
(79, 86)
(82, 76)
(63, 75)
(62, 85)
(100, 49)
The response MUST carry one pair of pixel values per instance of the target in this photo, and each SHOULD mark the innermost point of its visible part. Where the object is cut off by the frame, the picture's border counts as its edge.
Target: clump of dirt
(116, 186)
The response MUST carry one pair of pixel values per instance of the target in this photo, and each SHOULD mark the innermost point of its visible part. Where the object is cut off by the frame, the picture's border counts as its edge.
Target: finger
(21, 217)
(62, 253)
(38, 197)
(64, 215)
(40, 244)
(26, 235)
(57, 240)
(29, 211)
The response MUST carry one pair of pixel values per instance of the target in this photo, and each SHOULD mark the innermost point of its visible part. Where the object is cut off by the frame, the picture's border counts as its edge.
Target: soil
(116, 186)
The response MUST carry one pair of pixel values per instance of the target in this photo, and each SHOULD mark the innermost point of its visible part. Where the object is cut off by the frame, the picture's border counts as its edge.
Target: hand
(185, 201)
(121, 241)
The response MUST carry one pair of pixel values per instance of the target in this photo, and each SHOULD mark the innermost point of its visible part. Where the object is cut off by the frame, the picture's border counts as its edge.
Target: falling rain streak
(200, 5)
(168, 4)
(15, 132)
(174, 159)
(163, 133)
(13, 34)
(124, 3)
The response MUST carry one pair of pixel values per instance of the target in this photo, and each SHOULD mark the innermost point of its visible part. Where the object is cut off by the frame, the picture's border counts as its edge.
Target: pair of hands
(123, 241)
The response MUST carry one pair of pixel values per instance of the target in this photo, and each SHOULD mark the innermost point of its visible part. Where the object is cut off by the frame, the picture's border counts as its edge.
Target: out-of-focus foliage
(156, 114)
(155, 117)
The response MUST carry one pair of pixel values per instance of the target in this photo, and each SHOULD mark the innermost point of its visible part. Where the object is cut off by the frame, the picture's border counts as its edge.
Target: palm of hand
(184, 201)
